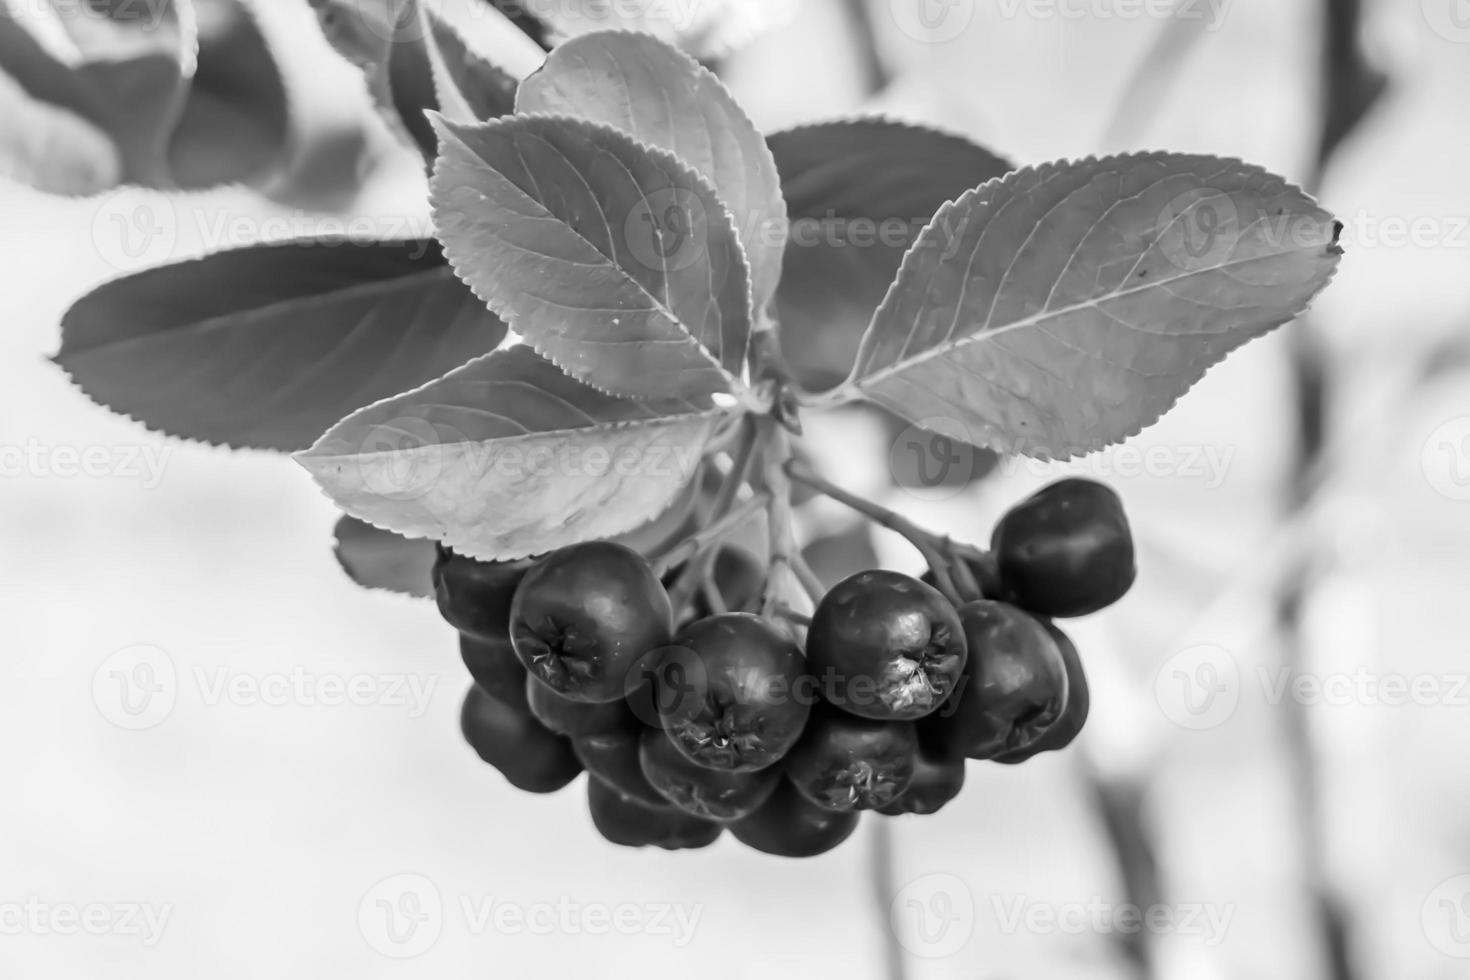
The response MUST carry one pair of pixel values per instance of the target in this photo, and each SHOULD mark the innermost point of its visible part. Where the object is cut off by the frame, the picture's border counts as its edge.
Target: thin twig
(698, 542)
(881, 885)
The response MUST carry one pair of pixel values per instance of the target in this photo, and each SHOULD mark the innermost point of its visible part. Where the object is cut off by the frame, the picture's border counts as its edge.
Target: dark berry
(508, 738)
(789, 825)
(1074, 715)
(495, 667)
(575, 718)
(584, 615)
(629, 823)
(732, 692)
(844, 762)
(1014, 688)
(885, 646)
(1066, 550)
(613, 758)
(707, 793)
(938, 778)
(475, 596)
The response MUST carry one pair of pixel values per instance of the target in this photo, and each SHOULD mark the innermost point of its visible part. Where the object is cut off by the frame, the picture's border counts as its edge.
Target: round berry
(1014, 688)
(495, 667)
(732, 692)
(885, 646)
(612, 757)
(584, 615)
(938, 778)
(844, 762)
(1074, 715)
(624, 821)
(707, 793)
(508, 738)
(1066, 550)
(474, 596)
(791, 826)
(574, 718)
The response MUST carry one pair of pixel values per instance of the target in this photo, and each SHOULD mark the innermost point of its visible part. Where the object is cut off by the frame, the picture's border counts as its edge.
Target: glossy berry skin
(707, 793)
(885, 646)
(612, 757)
(1015, 686)
(1074, 715)
(626, 822)
(475, 596)
(732, 692)
(938, 778)
(1066, 550)
(584, 615)
(530, 757)
(495, 667)
(848, 763)
(791, 826)
(574, 718)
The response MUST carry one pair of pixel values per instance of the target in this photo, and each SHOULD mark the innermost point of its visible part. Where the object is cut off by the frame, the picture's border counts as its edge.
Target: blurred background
(1271, 770)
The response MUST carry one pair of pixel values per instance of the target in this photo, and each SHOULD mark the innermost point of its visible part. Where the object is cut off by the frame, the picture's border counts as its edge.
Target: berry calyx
(731, 694)
(708, 793)
(584, 615)
(790, 825)
(1015, 684)
(886, 646)
(844, 762)
(625, 821)
(507, 737)
(1067, 550)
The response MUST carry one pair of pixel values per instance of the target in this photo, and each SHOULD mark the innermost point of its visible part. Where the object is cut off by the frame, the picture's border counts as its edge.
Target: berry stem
(776, 450)
(792, 616)
(930, 545)
(809, 579)
(715, 532)
(696, 575)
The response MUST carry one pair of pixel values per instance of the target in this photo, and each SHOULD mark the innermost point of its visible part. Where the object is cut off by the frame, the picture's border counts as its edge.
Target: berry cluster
(781, 728)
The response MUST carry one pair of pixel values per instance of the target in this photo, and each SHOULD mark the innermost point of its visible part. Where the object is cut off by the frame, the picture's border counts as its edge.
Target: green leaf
(266, 347)
(1067, 306)
(610, 257)
(379, 559)
(858, 192)
(126, 74)
(507, 456)
(414, 62)
(235, 120)
(663, 97)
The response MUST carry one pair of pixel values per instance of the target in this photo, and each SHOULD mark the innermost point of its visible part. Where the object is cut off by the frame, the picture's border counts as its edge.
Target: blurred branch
(1349, 86)
(1152, 79)
(1119, 802)
(876, 76)
(880, 880)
